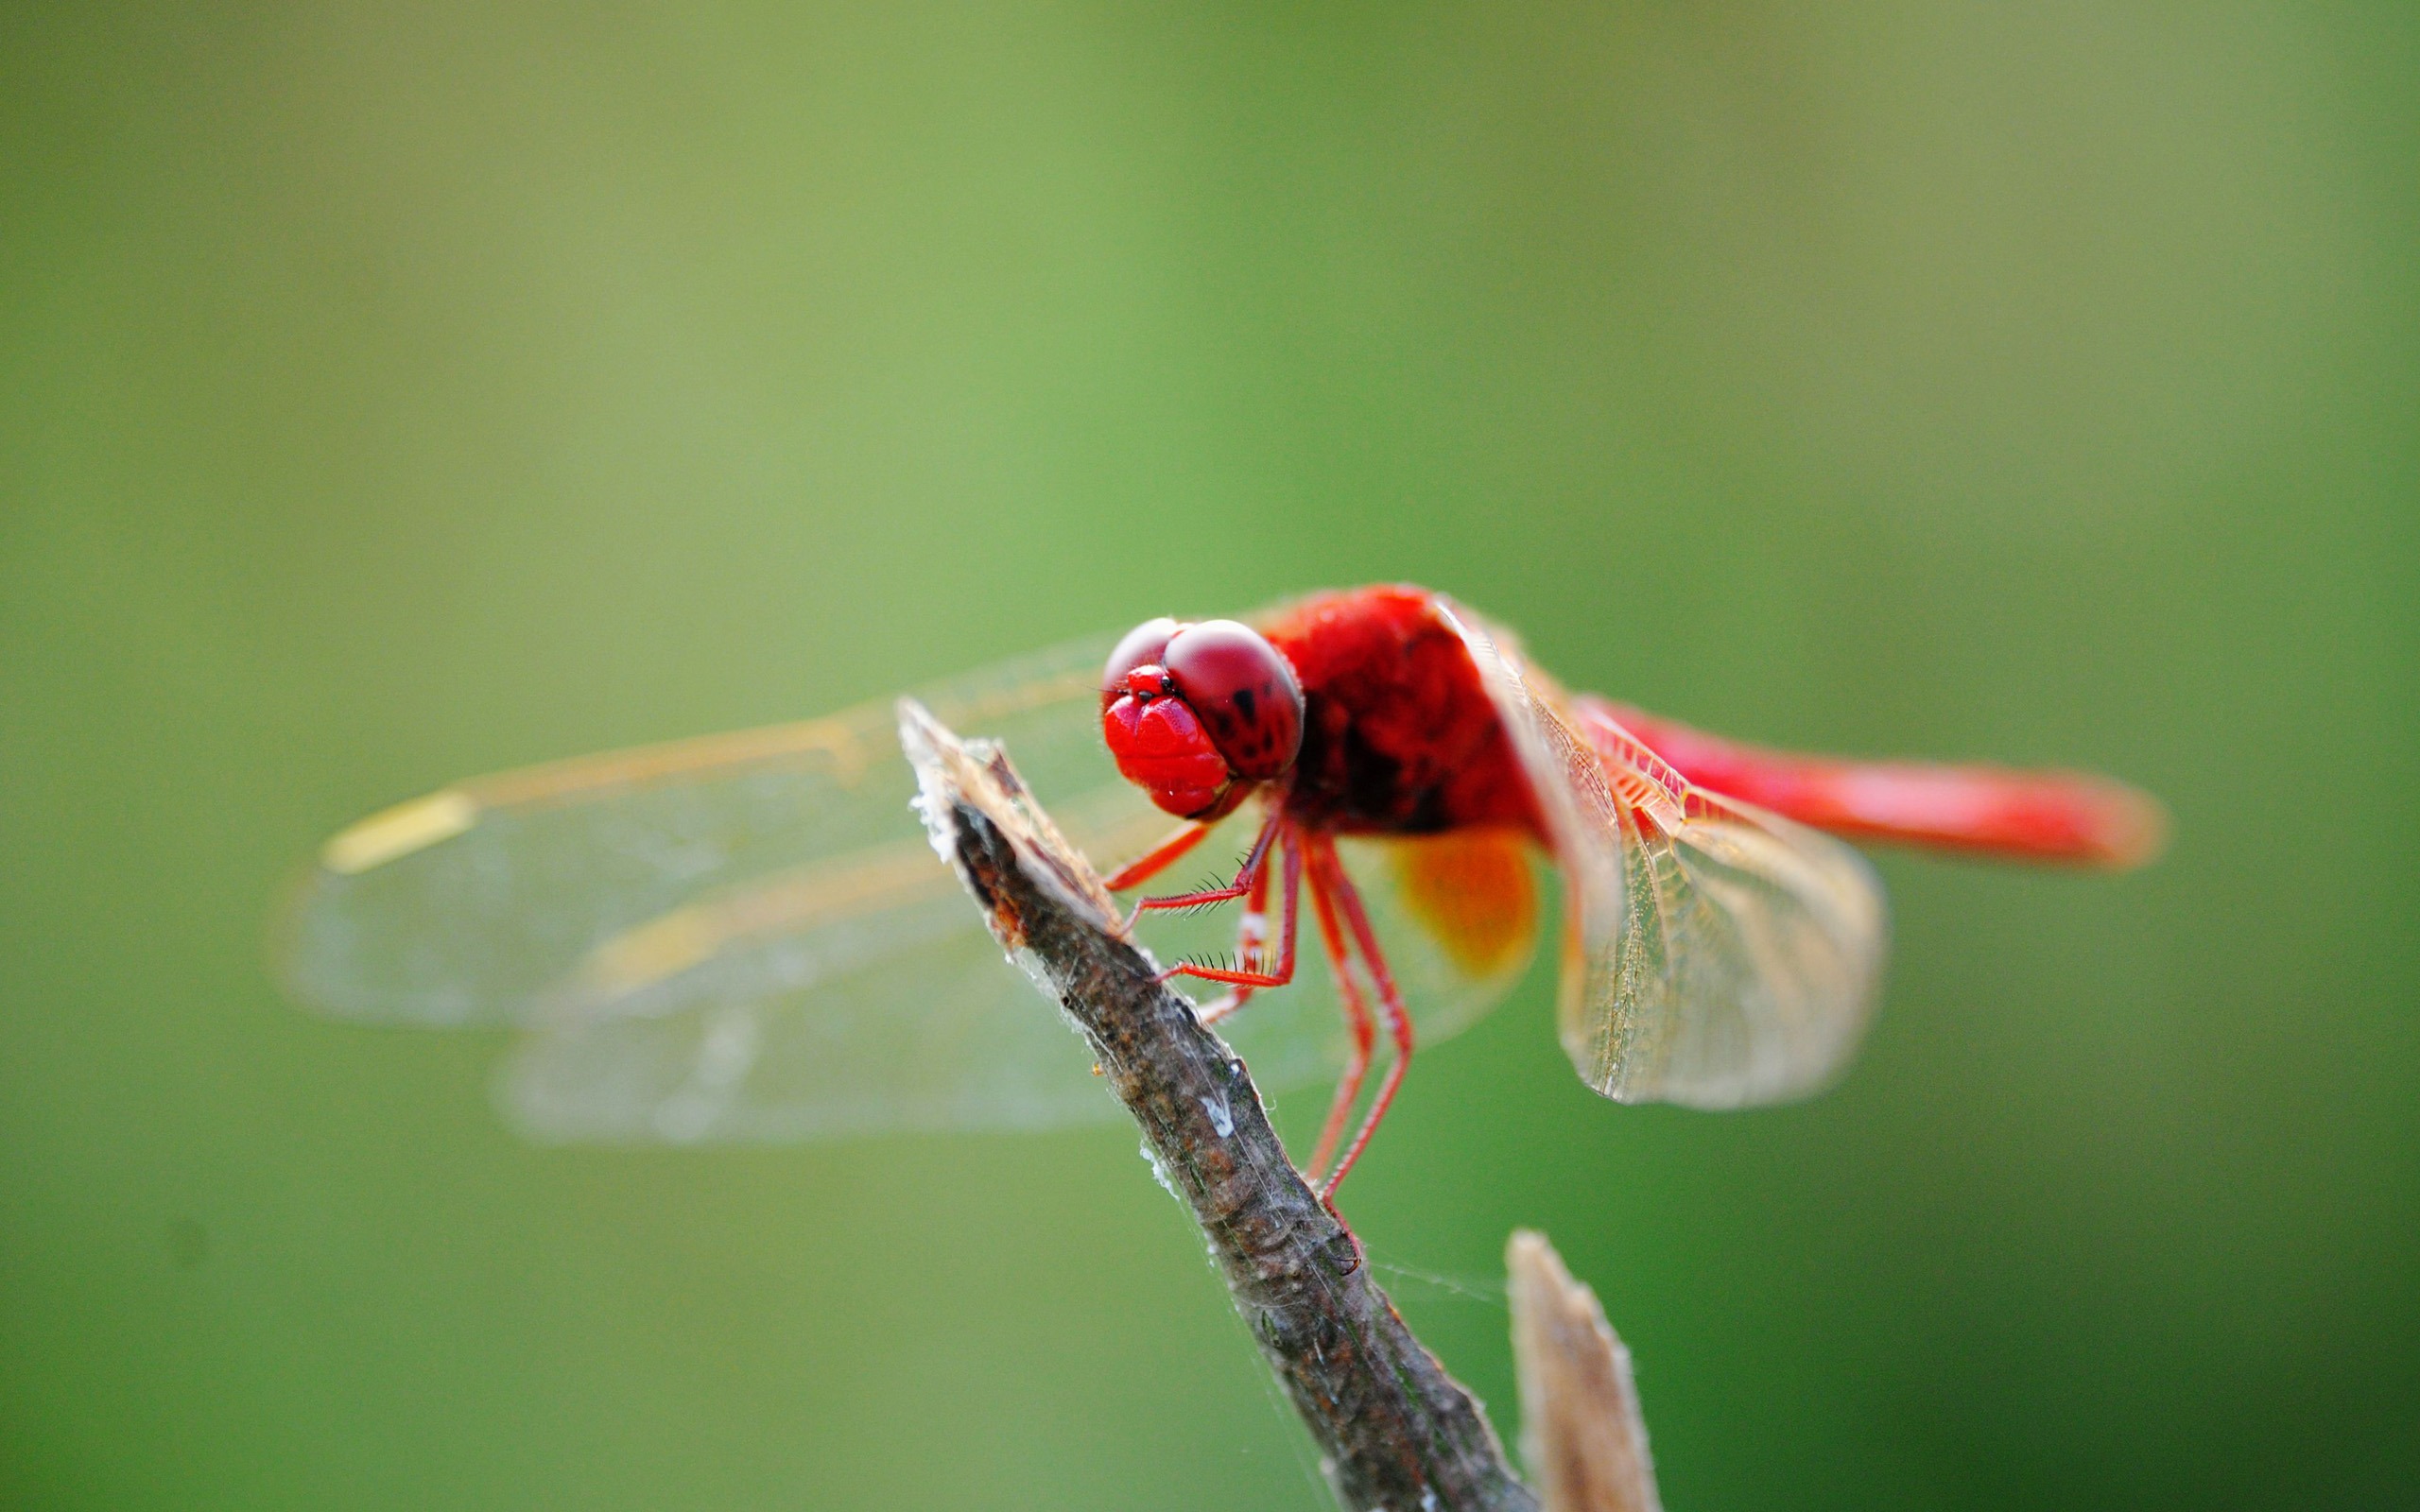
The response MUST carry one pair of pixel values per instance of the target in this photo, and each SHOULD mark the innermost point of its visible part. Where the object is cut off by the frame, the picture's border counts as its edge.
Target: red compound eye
(1242, 690)
(1158, 743)
(1143, 646)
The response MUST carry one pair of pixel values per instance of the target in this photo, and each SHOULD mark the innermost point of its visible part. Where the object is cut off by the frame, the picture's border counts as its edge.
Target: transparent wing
(933, 1029)
(1714, 954)
(479, 903)
(748, 938)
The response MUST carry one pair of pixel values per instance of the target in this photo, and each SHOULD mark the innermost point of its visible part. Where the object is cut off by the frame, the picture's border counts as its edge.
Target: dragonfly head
(1196, 714)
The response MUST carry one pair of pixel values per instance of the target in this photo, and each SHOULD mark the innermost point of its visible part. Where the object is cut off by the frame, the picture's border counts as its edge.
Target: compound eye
(1244, 692)
(1146, 644)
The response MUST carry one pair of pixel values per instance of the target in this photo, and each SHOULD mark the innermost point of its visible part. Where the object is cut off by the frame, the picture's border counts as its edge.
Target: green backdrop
(388, 393)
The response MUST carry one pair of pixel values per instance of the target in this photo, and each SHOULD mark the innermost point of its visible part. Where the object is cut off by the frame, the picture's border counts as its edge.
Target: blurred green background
(394, 393)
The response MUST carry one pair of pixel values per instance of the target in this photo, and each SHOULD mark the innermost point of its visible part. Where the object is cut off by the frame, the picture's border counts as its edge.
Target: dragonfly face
(1197, 714)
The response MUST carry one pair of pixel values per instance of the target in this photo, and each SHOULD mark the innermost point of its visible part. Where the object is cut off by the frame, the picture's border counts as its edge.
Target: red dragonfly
(747, 937)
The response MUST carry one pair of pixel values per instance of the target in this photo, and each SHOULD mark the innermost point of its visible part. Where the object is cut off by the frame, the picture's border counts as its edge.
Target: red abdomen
(1398, 736)
(2071, 816)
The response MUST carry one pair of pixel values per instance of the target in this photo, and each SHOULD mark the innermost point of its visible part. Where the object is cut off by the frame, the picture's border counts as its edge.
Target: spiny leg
(1284, 971)
(1356, 1017)
(1255, 859)
(1252, 937)
(1157, 859)
(1398, 1019)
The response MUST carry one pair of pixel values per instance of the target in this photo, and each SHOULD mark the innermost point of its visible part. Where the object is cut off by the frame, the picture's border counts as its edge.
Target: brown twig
(1581, 1430)
(1396, 1431)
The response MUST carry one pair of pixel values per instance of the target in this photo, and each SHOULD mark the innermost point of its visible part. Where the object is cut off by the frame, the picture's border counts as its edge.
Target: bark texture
(1394, 1430)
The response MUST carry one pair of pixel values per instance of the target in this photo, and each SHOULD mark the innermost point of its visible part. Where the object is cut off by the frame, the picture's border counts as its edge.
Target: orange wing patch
(1474, 892)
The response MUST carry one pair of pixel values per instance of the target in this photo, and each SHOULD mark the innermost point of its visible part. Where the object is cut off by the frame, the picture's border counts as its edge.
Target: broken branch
(1396, 1431)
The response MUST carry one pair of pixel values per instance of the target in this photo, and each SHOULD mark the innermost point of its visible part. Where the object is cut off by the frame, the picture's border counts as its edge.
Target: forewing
(748, 938)
(479, 902)
(1714, 955)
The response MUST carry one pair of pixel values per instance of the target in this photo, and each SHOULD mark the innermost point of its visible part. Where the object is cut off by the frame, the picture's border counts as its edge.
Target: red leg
(1357, 1018)
(1245, 875)
(1398, 1019)
(2071, 816)
(1252, 938)
(1157, 859)
(1291, 864)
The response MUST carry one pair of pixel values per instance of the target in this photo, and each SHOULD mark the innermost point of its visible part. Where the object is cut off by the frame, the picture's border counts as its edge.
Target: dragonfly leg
(1242, 974)
(1390, 1007)
(1157, 859)
(1255, 859)
(1356, 1017)
(1251, 936)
